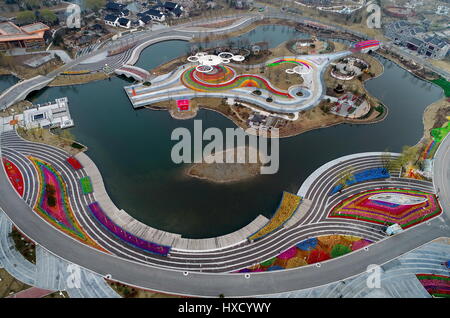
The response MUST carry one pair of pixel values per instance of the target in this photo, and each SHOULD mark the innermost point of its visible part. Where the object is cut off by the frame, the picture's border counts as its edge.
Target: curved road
(213, 284)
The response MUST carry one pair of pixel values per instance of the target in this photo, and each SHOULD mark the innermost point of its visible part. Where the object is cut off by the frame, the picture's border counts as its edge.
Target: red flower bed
(74, 163)
(14, 175)
(317, 256)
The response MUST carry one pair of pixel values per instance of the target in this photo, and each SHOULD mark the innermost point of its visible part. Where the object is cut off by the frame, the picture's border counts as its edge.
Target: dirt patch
(24, 245)
(66, 80)
(132, 292)
(14, 65)
(9, 285)
(64, 140)
(435, 116)
(17, 108)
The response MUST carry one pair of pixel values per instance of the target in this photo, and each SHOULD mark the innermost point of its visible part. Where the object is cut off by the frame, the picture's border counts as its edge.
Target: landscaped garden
(288, 206)
(14, 176)
(310, 251)
(436, 285)
(362, 207)
(53, 203)
(440, 133)
(193, 80)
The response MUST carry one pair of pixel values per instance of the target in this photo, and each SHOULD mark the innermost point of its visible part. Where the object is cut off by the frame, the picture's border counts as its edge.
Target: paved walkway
(397, 280)
(32, 292)
(50, 273)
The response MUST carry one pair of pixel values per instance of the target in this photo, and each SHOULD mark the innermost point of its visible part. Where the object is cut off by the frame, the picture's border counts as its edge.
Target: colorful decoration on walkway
(53, 203)
(74, 163)
(289, 204)
(436, 285)
(430, 150)
(290, 60)
(363, 176)
(192, 79)
(365, 45)
(363, 207)
(127, 237)
(86, 185)
(14, 176)
(310, 251)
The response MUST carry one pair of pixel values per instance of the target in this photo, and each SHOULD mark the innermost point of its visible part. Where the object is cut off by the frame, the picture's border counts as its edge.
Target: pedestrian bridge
(135, 72)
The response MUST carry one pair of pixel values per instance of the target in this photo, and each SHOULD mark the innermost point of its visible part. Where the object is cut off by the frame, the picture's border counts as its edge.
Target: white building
(50, 115)
(111, 20)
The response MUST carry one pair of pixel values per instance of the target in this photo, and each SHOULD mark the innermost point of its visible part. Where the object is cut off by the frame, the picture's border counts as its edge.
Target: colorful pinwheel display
(362, 207)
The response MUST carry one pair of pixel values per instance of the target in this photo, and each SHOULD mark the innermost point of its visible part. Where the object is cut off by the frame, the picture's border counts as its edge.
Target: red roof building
(28, 36)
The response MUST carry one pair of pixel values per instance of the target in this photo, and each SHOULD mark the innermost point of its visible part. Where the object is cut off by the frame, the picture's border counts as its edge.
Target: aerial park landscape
(112, 198)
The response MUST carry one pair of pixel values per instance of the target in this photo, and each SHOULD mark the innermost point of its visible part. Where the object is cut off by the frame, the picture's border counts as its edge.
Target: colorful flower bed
(436, 285)
(14, 176)
(310, 251)
(440, 133)
(290, 60)
(74, 163)
(191, 80)
(430, 150)
(361, 207)
(289, 204)
(53, 203)
(363, 176)
(86, 185)
(220, 74)
(127, 237)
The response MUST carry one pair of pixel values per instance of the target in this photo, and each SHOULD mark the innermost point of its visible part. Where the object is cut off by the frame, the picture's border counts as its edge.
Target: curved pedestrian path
(50, 272)
(397, 280)
(196, 255)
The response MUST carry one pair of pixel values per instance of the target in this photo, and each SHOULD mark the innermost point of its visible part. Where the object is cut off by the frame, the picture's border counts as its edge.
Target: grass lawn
(444, 84)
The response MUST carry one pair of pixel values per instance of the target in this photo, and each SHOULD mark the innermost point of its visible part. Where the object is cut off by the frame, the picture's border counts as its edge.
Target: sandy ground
(65, 80)
(24, 72)
(9, 285)
(131, 292)
(445, 64)
(46, 137)
(18, 108)
(433, 114)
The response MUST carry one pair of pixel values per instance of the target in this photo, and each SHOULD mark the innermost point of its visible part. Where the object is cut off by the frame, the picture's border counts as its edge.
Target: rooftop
(11, 32)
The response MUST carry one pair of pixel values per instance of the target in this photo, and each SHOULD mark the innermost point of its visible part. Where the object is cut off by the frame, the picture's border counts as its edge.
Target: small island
(220, 172)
